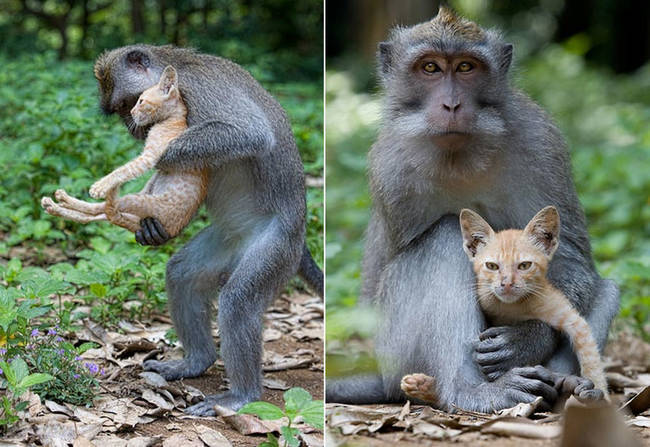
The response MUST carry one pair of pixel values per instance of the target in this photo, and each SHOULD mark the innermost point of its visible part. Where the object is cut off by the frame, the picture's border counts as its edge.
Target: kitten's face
(158, 102)
(510, 266)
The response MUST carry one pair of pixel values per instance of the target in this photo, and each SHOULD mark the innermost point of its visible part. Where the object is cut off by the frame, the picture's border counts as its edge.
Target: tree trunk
(162, 11)
(63, 49)
(137, 17)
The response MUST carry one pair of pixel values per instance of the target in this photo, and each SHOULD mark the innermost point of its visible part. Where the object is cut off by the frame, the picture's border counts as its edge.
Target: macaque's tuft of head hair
(447, 24)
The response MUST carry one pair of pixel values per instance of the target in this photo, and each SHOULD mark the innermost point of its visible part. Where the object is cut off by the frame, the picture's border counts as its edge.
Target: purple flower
(77, 358)
(35, 333)
(60, 352)
(1, 371)
(92, 367)
(58, 339)
(102, 372)
(75, 376)
(51, 331)
(3, 351)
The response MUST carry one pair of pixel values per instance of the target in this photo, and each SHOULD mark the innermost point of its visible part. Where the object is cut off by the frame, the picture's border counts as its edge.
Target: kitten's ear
(168, 80)
(544, 230)
(476, 232)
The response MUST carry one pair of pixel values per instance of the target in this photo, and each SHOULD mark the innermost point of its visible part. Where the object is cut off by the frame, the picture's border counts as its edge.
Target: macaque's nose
(451, 105)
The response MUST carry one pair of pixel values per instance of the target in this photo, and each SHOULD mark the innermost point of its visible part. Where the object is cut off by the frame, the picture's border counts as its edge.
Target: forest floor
(136, 408)
(625, 423)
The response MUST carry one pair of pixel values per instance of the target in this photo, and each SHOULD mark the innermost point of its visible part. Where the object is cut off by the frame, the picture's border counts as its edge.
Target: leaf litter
(140, 408)
(626, 422)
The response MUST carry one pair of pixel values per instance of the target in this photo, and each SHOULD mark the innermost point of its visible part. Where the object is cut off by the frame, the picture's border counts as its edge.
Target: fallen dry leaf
(210, 437)
(639, 403)
(599, 426)
(247, 424)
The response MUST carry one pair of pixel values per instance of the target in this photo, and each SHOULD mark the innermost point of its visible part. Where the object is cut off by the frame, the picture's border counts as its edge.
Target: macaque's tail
(310, 272)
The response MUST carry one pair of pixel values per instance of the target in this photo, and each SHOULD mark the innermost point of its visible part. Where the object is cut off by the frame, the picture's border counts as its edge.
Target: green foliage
(297, 403)
(604, 118)
(16, 381)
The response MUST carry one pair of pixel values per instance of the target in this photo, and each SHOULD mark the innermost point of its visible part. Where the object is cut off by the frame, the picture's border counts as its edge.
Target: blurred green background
(584, 61)
(53, 135)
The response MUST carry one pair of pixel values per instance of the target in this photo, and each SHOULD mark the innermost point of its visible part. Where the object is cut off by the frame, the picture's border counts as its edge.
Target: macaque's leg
(67, 201)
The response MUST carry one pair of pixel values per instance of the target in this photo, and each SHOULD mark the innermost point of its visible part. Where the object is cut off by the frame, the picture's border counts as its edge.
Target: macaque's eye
(524, 265)
(492, 266)
(430, 67)
(464, 67)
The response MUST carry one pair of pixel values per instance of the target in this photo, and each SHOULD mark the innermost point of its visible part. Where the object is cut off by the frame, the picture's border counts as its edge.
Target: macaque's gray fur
(509, 161)
(256, 201)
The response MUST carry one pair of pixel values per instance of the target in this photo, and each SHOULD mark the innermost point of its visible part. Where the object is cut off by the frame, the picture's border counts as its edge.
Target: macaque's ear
(506, 57)
(168, 80)
(385, 57)
(476, 232)
(544, 230)
(138, 59)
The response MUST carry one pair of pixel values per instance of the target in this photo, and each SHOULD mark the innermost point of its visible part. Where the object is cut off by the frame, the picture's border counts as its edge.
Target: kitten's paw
(61, 196)
(419, 386)
(101, 187)
(177, 369)
(229, 400)
(48, 204)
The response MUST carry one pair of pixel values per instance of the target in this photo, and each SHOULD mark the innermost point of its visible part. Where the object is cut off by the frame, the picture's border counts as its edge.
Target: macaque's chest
(232, 201)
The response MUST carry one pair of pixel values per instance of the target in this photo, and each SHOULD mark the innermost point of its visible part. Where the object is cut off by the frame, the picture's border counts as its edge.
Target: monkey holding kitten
(511, 285)
(172, 197)
(456, 135)
(241, 137)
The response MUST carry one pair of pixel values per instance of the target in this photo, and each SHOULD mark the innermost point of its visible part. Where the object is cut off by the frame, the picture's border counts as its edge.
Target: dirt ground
(134, 410)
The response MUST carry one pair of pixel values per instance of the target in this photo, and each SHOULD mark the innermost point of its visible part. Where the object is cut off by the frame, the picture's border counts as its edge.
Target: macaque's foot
(526, 383)
(229, 400)
(100, 188)
(582, 388)
(419, 386)
(178, 369)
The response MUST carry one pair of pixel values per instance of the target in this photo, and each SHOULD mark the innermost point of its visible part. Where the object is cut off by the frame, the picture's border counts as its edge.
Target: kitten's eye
(492, 266)
(430, 67)
(464, 67)
(524, 265)
(140, 101)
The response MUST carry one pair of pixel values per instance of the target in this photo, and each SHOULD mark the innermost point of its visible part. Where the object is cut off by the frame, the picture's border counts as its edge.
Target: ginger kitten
(171, 197)
(510, 269)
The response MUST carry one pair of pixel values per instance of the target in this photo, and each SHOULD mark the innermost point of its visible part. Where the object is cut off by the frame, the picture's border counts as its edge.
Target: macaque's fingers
(491, 344)
(151, 232)
(492, 332)
(537, 372)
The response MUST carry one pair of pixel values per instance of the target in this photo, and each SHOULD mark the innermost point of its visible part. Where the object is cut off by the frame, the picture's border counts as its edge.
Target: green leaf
(271, 441)
(314, 413)
(21, 406)
(34, 379)
(263, 410)
(9, 373)
(291, 436)
(296, 398)
(99, 290)
(20, 369)
(84, 347)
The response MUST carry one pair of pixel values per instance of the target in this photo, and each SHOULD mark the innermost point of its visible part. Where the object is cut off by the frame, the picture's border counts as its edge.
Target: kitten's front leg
(101, 187)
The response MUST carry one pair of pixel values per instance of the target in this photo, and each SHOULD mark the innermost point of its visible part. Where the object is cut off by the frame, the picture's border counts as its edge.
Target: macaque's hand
(501, 348)
(101, 187)
(151, 232)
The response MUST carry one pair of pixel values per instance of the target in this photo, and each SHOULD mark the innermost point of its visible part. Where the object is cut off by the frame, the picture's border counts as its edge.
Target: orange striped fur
(171, 197)
(517, 289)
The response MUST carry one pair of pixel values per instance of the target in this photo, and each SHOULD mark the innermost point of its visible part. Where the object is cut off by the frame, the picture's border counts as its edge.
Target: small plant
(16, 381)
(73, 380)
(297, 403)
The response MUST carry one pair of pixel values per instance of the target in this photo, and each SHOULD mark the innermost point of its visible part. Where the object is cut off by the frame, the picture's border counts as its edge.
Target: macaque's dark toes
(590, 396)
